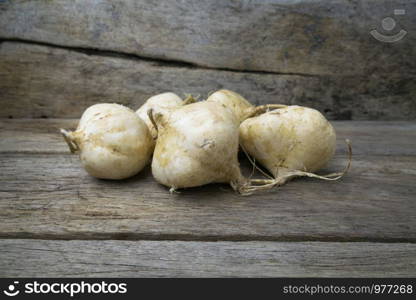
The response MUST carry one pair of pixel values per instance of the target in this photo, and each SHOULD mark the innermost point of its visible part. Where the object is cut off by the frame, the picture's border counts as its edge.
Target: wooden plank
(34, 135)
(51, 196)
(39, 81)
(309, 37)
(42, 136)
(45, 258)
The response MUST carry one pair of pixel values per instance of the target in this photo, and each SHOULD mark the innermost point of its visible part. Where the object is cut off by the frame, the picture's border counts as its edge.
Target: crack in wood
(205, 238)
(151, 59)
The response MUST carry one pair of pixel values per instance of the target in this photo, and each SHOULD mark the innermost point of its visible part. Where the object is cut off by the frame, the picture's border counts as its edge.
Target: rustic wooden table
(59, 57)
(58, 221)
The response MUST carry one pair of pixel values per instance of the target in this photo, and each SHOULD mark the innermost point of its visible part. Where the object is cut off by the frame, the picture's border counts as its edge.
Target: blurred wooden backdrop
(57, 57)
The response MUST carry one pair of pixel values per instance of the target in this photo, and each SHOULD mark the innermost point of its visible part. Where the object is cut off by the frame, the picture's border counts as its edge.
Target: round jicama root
(233, 101)
(112, 141)
(290, 142)
(197, 144)
(160, 104)
(239, 105)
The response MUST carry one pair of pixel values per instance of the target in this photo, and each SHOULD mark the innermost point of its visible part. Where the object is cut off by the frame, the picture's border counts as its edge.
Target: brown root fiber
(285, 175)
(262, 109)
(73, 147)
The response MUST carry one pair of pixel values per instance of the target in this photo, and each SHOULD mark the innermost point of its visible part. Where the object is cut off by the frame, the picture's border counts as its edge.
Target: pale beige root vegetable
(160, 104)
(239, 105)
(233, 101)
(197, 144)
(112, 141)
(290, 142)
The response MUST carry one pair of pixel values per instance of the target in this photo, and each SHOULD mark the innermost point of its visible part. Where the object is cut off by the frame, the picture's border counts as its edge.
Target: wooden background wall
(57, 57)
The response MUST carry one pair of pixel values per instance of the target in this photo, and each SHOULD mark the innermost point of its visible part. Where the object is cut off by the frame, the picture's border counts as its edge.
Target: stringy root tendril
(265, 184)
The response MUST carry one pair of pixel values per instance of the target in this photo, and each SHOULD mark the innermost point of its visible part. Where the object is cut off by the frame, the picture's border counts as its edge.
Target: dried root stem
(262, 109)
(190, 99)
(73, 147)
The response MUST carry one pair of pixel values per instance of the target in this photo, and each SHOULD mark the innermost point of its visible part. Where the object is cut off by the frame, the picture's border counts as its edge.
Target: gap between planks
(211, 239)
(160, 61)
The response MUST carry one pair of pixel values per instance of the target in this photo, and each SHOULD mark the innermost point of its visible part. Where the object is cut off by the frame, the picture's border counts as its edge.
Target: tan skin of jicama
(197, 144)
(239, 105)
(112, 141)
(289, 141)
(161, 103)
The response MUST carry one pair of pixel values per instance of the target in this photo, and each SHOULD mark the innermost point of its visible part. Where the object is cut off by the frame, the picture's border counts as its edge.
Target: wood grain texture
(308, 37)
(46, 194)
(59, 57)
(77, 225)
(50, 196)
(41, 81)
(43, 258)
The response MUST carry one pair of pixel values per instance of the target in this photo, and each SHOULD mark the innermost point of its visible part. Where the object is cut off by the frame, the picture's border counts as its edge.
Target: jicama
(159, 104)
(112, 141)
(290, 142)
(197, 144)
(239, 105)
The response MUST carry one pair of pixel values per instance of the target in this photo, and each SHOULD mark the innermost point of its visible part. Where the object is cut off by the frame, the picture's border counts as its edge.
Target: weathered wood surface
(48, 195)
(307, 37)
(43, 258)
(40, 81)
(367, 137)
